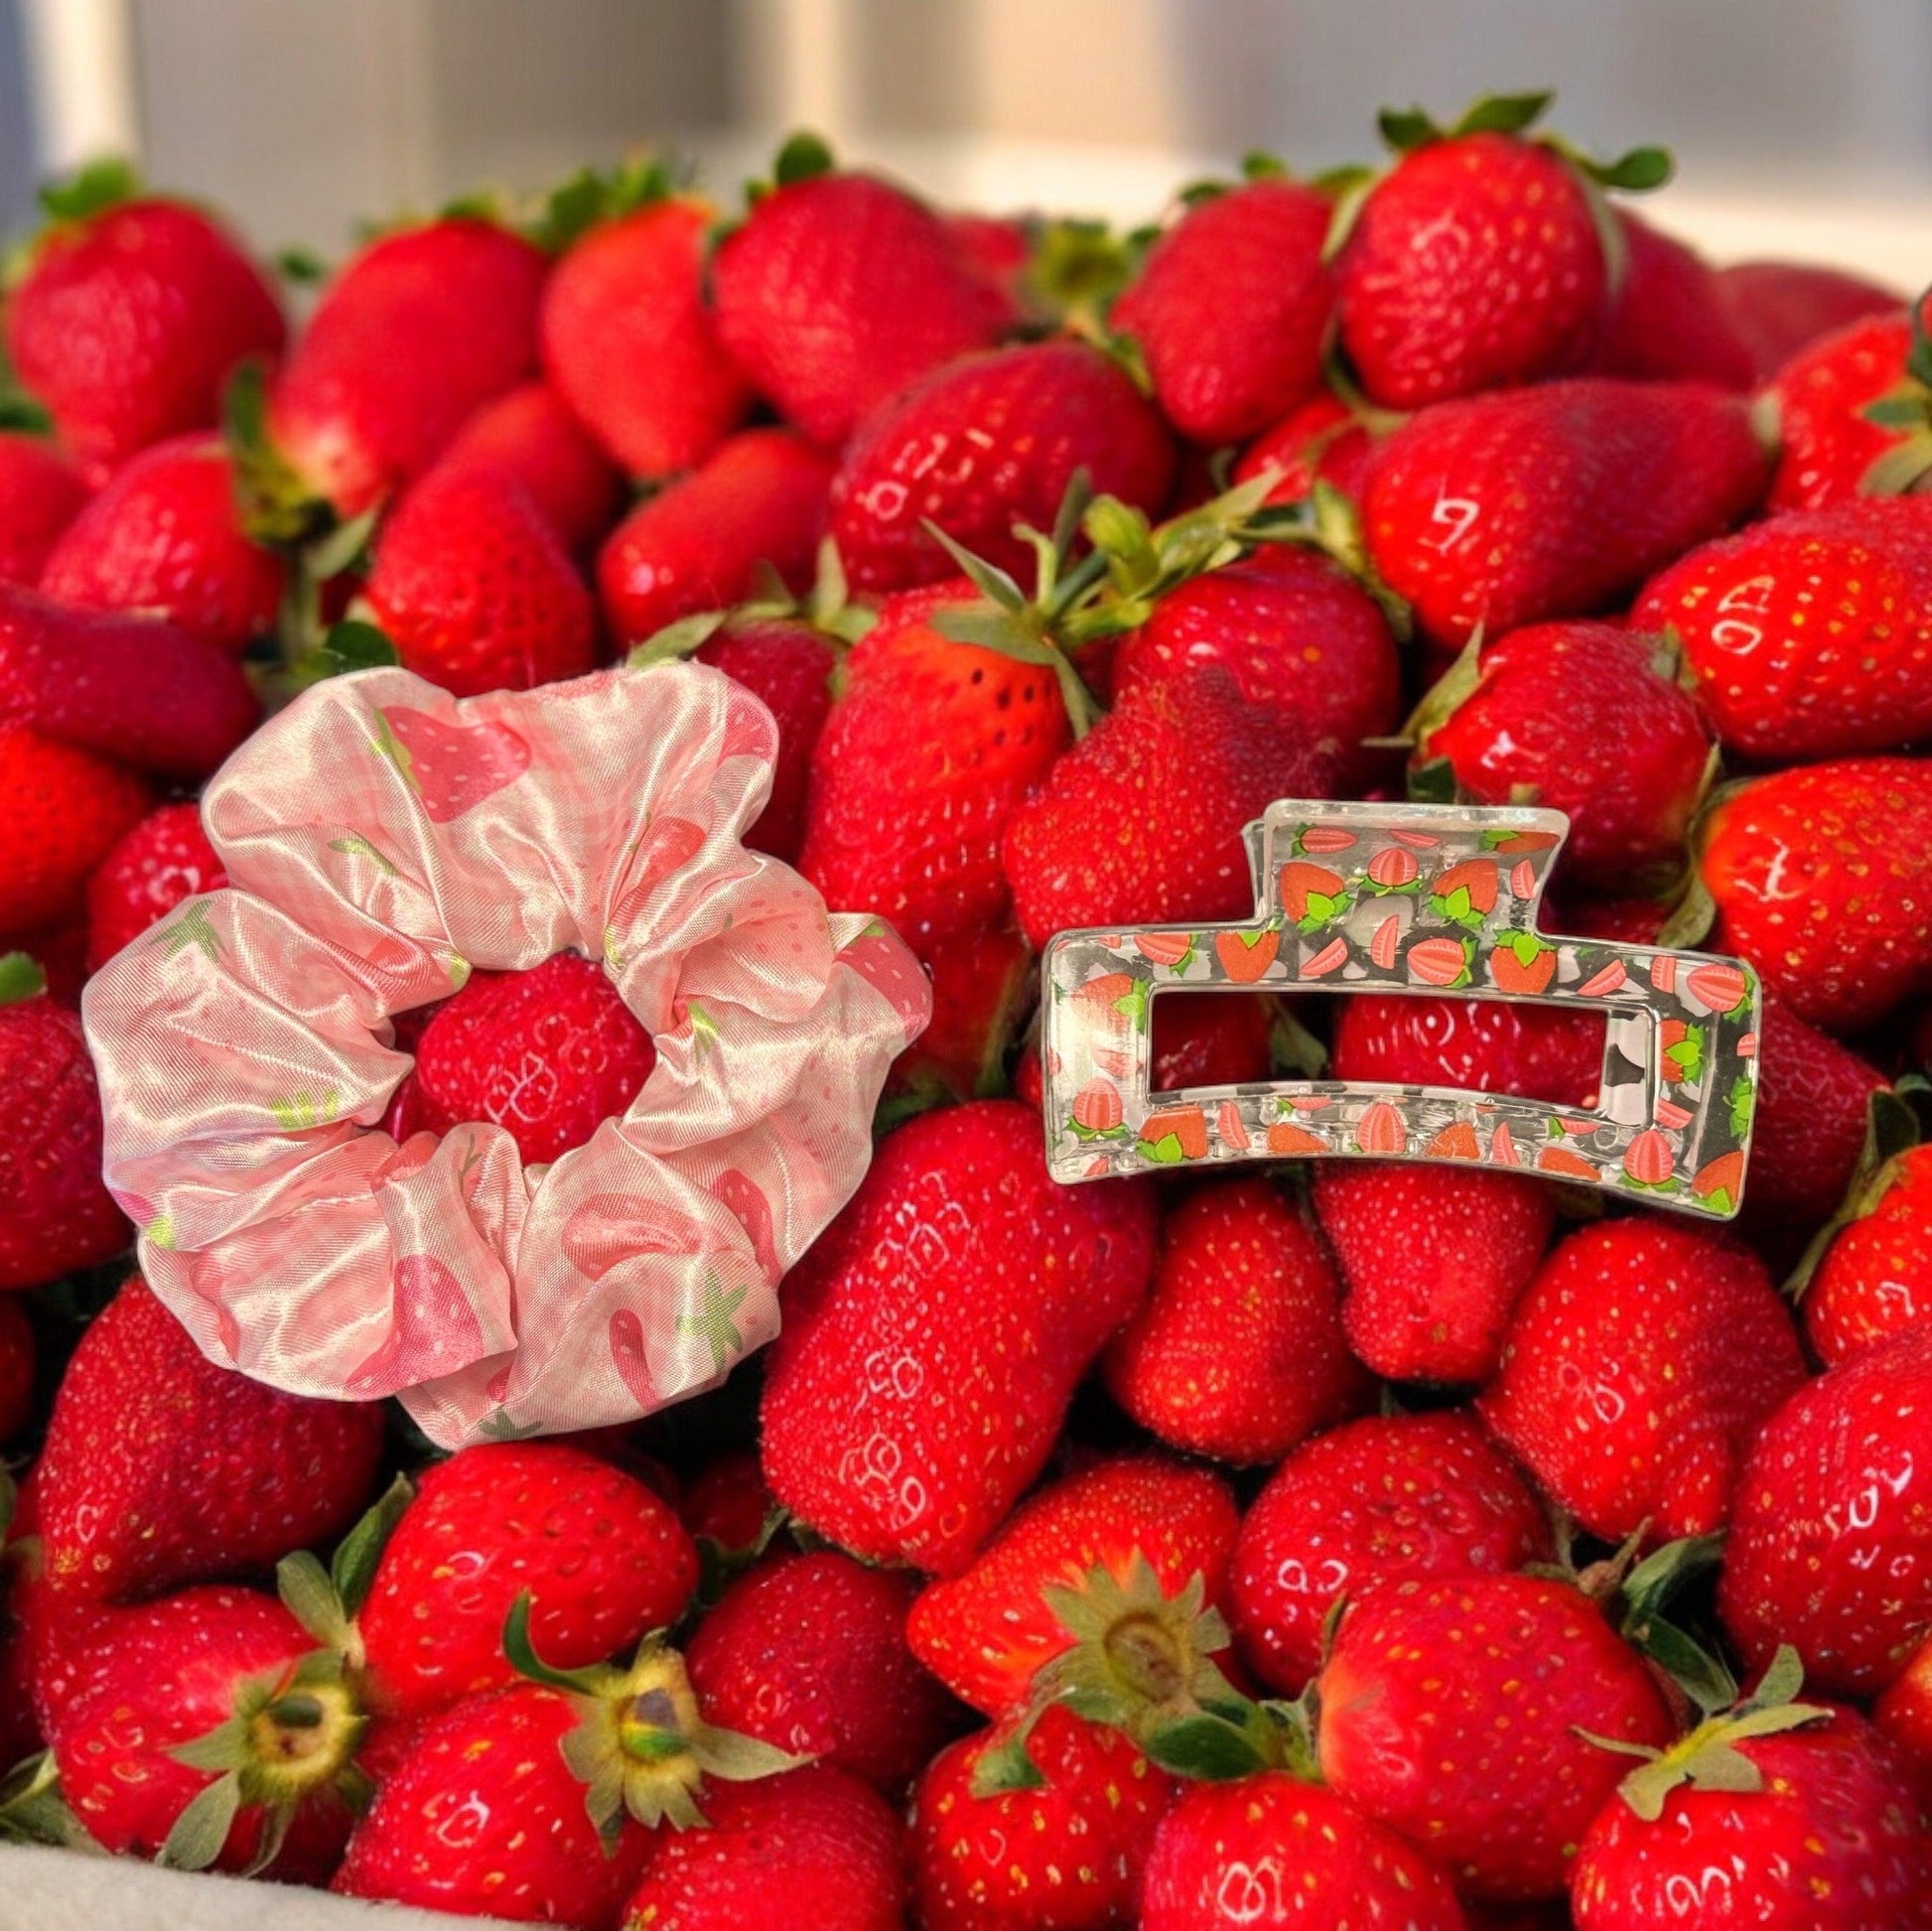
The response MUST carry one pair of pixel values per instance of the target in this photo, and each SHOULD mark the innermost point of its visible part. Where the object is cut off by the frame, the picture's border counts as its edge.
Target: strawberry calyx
(326, 1601)
(21, 978)
(1892, 1127)
(1076, 267)
(591, 196)
(1708, 1757)
(642, 1747)
(826, 607)
(1907, 407)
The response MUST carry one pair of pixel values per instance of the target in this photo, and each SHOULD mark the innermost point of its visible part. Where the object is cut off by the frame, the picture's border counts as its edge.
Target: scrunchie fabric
(382, 840)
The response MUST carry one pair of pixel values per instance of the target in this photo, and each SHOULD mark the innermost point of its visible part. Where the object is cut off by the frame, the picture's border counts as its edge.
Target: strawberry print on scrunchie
(382, 840)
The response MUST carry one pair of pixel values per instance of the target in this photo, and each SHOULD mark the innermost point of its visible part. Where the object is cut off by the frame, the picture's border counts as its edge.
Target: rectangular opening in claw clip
(1412, 902)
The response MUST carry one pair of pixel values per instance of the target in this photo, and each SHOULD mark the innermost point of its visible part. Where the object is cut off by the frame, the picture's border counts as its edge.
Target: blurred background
(1800, 126)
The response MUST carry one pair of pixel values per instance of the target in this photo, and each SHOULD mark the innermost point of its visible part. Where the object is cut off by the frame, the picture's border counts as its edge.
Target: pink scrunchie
(382, 839)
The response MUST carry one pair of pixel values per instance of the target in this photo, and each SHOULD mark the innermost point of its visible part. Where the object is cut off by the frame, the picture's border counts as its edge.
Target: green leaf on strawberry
(1322, 909)
(1458, 907)
(1168, 1149)
(713, 1323)
(1686, 1055)
(355, 845)
(1743, 1101)
(191, 928)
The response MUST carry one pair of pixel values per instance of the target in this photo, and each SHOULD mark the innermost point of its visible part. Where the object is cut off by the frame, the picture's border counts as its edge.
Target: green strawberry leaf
(1503, 113)
(1203, 1747)
(20, 977)
(92, 190)
(353, 644)
(1166, 1149)
(803, 157)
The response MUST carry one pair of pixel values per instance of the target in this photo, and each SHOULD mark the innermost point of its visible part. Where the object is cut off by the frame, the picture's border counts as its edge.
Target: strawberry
(922, 763)
(1062, 1853)
(157, 862)
(165, 538)
(988, 443)
(1501, 510)
(1876, 1277)
(418, 331)
(604, 1560)
(1903, 1714)
(41, 493)
(548, 1054)
(1826, 442)
(18, 1357)
(1453, 1710)
(1069, 1557)
(1809, 1826)
(129, 317)
(1781, 306)
(1585, 718)
(161, 1468)
(64, 811)
(982, 986)
(54, 1213)
(1473, 263)
(840, 290)
(1230, 309)
(729, 1513)
(135, 689)
(934, 1333)
(1809, 635)
(696, 545)
(1670, 320)
(627, 342)
(1180, 765)
(1273, 1853)
(809, 1652)
(1431, 1261)
(474, 588)
(527, 433)
(1820, 883)
(1535, 1052)
(814, 1844)
(205, 1726)
(1385, 1496)
(1237, 1352)
(1210, 1040)
(452, 767)
(1831, 1548)
(1297, 635)
(1638, 1367)
(1321, 440)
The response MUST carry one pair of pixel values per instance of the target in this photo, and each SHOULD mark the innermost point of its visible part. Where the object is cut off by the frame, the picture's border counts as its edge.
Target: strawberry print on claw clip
(1415, 899)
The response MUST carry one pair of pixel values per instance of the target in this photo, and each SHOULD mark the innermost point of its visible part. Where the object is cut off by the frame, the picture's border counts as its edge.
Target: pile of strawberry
(1369, 1544)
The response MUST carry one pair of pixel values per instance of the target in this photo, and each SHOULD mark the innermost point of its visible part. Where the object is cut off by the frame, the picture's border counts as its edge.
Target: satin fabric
(383, 839)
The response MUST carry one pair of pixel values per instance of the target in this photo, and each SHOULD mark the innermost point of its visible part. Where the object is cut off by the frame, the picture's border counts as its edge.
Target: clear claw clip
(1411, 900)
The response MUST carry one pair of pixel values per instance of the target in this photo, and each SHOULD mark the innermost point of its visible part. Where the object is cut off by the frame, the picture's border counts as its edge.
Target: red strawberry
(1588, 720)
(1826, 444)
(815, 1847)
(983, 987)
(935, 1332)
(1820, 881)
(416, 333)
(1180, 765)
(1670, 318)
(1297, 635)
(809, 1652)
(165, 538)
(919, 767)
(839, 290)
(1464, 1714)
(529, 434)
(1431, 1261)
(1274, 1853)
(1637, 1371)
(549, 1055)
(1210, 1040)
(1535, 1052)
(1780, 306)
(1818, 1831)
(1473, 263)
(696, 545)
(1237, 1351)
(135, 689)
(474, 588)
(18, 1355)
(64, 811)
(1065, 1854)
(158, 862)
(629, 345)
(1831, 1540)
(1876, 1278)
(452, 767)
(988, 1631)
(1231, 309)
(1386, 1495)
(154, 1680)
(987, 443)
(130, 315)
(41, 493)
(1903, 1714)
(1323, 440)
(54, 1213)
(604, 1560)
(1506, 509)
(1810, 635)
